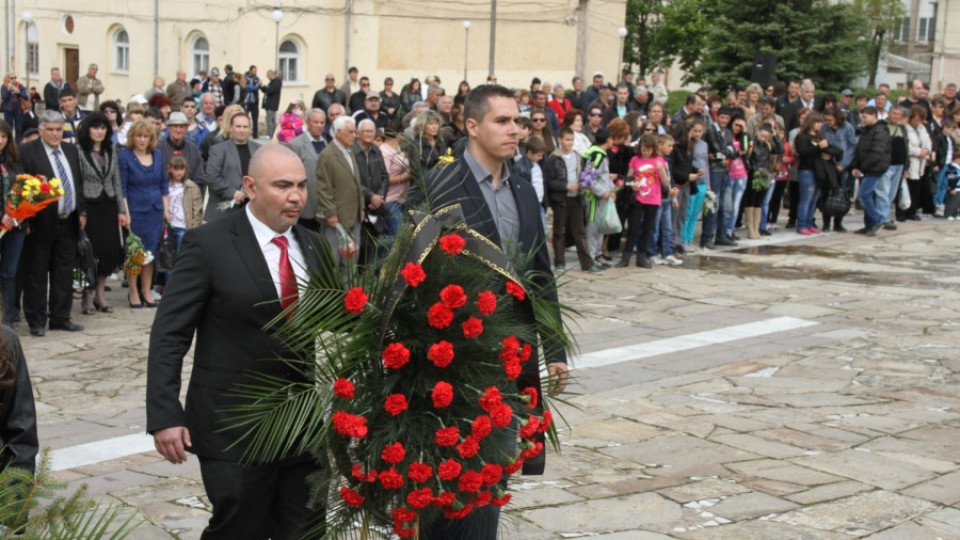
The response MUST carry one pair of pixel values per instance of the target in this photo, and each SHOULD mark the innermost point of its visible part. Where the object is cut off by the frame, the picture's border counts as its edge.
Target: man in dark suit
(507, 213)
(308, 146)
(50, 248)
(233, 278)
(271, 100)
(228, 164)
(51, 90)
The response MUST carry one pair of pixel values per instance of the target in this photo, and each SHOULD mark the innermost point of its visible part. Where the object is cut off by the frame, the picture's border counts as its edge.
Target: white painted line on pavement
(686, 342)
(99, 451)
(71, 457)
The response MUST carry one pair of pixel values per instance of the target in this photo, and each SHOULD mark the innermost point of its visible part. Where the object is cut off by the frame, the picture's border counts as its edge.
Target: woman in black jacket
(810, 143)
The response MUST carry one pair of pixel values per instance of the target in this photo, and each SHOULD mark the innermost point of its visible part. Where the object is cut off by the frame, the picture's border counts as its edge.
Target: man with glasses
(594, 121)
(357, 99)
(176, 143)
(328, 95)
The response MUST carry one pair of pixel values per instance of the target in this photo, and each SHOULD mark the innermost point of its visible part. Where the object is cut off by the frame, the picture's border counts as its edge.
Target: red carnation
(526, 352)
(516, 290)
(491, 399)
(509, 347)
(420, 498)
(481, 427)
(513, 369)
(444, 499)
(501, 501)
(357, 472)
(419, 472)
(413, 274)
(350, 425)
(472, 328)
(486, 303)
(452, 243)
(442, 394)
(395, 404)
(453, 296)
(491, 474)
(532, 452)
(447, 436)
(448, 470)
(343, 389)
(441, 354)
(393, 453)
(391, 479)
(501, 416)
(403, 515)
(514, 467)
(529, 396)
(395, 356)
(440, 316)
(351, 497)
(463, 512)
(530, 427)
(547, 421)
(45, 188)
(470, 481)
(469, 447)
(482, 499)
(403, 532)
(355, 300)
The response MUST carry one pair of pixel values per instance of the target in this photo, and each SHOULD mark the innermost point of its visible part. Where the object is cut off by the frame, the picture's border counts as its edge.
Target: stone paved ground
(848, 428)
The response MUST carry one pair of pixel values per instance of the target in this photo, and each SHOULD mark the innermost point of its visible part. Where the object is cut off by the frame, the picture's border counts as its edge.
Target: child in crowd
(528, 168)
(952, 200)
(945, 151)
(526, 129)
(291, 123)
(600, 187)
(561, 176)
(660, 249)
(648, 175)
(133, 115)
(186, 201)
(768, 221)
(700, 165)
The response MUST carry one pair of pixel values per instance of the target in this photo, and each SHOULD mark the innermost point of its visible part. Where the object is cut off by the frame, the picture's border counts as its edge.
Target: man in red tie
(235, 276)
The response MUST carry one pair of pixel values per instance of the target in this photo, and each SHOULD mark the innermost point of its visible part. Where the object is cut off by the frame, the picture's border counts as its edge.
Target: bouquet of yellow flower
(29, 195)
(137, 256)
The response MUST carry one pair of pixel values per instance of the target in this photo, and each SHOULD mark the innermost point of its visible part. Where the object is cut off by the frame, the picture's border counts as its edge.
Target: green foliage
(883, 18)
(676, 100)
(30, 502)
(715, 40)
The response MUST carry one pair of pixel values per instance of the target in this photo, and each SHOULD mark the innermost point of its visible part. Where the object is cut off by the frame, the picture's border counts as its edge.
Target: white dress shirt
(66, 168)
(271, 251)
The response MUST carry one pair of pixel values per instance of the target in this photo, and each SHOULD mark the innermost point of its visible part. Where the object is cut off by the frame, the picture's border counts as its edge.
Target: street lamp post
(277, 16)
(27, 21)
(623, 36)
(466, 45)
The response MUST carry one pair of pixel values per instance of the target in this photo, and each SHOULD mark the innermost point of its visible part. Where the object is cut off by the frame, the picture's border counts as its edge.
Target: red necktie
(288, 279)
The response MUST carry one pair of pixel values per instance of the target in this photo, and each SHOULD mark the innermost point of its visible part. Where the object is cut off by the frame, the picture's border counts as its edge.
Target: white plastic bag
(608, 222)
(903, 201)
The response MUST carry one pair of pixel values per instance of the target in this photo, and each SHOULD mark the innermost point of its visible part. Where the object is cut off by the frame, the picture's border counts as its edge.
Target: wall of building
(946, 50)
(398, 38)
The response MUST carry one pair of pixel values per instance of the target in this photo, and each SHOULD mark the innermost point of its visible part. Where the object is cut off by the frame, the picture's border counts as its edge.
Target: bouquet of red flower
(426, 379)
(29, 195)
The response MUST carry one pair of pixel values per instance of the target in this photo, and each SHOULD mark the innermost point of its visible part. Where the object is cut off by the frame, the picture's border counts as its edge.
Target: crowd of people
(613, 169)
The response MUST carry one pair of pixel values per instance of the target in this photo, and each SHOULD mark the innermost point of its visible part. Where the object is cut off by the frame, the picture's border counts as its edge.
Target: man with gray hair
(178, 90)
(433, 95)
(411, 117)
(641, 100)
(308, 146)
(50, 249)
(374, 180)
(339, 192)
(658, 89)
(51, 91)
(89, 88)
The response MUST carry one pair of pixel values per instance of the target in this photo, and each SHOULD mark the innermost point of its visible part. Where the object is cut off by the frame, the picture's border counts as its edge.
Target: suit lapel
(250, 253)
(477, 213)
(528, 223)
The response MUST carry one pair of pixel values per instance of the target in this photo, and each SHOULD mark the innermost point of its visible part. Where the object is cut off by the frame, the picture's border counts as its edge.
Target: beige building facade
(134, 40)
(946, 49)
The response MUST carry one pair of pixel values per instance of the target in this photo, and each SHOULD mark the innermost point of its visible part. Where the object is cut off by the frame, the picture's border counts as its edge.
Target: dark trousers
(794, 200)
(641, 219)
(777, 201)
(259, 502)
(253, 109)
(569, 216)
(49, 253)
(915, 203)
(11, 246)
(481, 524)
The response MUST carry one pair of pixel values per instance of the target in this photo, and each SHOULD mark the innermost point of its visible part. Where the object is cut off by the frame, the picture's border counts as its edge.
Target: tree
(661, 32)
(810, 38)
(883, 17)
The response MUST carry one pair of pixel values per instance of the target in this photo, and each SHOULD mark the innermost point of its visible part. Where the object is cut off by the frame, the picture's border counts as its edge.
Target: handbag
(86, 260)
(903, 201)
(608, 221)
(167, 251)
(835, 203)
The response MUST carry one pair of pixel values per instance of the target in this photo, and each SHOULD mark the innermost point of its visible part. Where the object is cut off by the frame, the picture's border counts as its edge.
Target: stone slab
(751, 505)
(619, 514)
(859, 515)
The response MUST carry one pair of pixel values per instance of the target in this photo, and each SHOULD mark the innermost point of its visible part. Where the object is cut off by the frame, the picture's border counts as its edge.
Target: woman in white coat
(919, 148)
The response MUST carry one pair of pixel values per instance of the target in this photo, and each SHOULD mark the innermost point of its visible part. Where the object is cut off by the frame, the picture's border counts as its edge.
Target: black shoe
(624, 262)
(872, 230)
(839, 228)
(915, 218)
(150, 304)
(643, 262)
(734, 237)
(725, 242)
(678, 249)
(38, 331)
(890, 226)
(791, 224)
(861, 231)
(607, 258)
(67, 326)
(708, 245)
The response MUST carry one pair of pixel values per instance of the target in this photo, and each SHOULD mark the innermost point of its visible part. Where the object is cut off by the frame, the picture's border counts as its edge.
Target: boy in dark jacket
(870, 161)
(561, 172)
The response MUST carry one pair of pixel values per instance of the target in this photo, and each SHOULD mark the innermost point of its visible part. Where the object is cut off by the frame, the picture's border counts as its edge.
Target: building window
(904, 34)
(289, 61)
(200, 52)
(33, 51)
(121, 51)
(922, 29)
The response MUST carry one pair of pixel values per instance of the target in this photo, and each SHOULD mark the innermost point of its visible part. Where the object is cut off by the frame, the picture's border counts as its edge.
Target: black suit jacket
(33, 160)
(224, 294)
(461, 187)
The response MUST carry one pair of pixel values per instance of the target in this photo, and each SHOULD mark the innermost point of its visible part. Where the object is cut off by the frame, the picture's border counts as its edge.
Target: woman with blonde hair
(426, 131)
(752, 103)
(146, 196)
